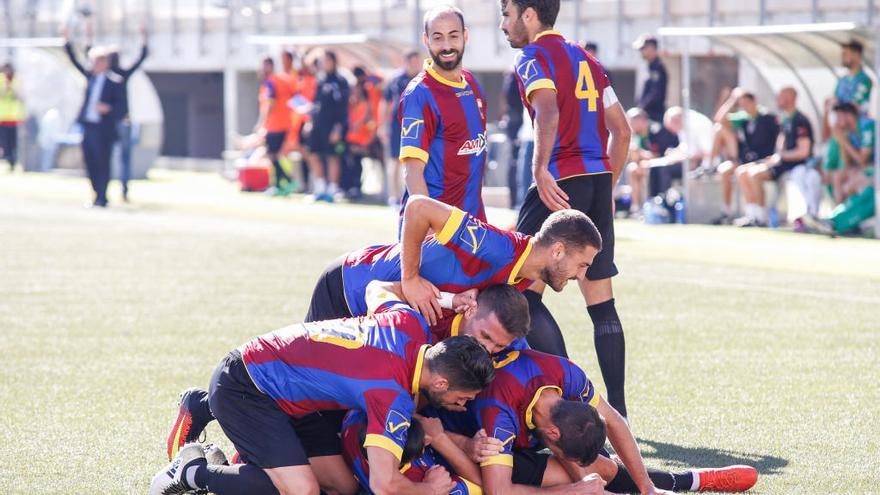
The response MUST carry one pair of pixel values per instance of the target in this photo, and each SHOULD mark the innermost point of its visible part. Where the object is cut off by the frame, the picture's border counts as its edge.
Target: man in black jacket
(99, 115)
(653, 97)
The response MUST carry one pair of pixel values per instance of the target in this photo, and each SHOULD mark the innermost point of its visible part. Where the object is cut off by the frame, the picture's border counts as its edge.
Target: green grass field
(745, 346)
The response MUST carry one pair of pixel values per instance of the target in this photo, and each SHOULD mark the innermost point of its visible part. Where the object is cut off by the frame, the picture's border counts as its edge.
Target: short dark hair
(581, 430)
(411, 54)
(268, 60)
(462, 361)
(749, 95)
(331, 55)
(854, 45)
(547, 10)
(509, 305)
(572, 228)
(847, 107)
(436, 11)
(591, 46)
(412, 449)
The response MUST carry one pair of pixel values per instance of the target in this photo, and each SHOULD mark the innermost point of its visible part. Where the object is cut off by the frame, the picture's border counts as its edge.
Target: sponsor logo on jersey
(472, 236)
(473, 146)
(397, 425)
(411, 128)
(527, 70)
(506, 436)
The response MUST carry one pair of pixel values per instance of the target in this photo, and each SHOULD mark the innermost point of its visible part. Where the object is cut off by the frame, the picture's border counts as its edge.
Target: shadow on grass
(696, 457)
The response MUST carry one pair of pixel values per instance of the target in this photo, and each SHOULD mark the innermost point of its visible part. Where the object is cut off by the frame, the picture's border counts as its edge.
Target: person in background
(592, 48)
(125, 130)
(511, 122)
(361, 133)
(852, 165)
(650, 141)
(99, 116)
(744, 136)
(653, 97)
(795, 147)
(12, 113)
(275, 120)
(389, 123)
(329, 127)
(854, 87)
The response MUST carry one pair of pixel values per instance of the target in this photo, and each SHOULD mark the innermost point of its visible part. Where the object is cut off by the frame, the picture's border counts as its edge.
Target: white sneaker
(171, 480)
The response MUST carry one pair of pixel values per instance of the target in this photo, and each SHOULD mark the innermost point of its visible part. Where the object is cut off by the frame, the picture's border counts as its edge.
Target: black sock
(611, 351)
(279, 173)
(664, 480)
(239, 479)
(544, 334)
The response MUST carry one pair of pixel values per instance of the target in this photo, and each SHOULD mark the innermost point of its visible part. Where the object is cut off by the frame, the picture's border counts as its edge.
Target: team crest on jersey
(472, 236)
(411, 128)
(506, 436)
(527, 70)
(473, 146)
(397, 425)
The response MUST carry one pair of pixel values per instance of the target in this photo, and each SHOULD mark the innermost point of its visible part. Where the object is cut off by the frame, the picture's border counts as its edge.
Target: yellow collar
(548, 32)
(429, 68)
(456, 325)
(514, 278)
(417, 372)
(529, 423)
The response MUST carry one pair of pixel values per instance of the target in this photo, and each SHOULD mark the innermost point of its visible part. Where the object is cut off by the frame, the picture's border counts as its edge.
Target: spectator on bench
(649, 141)
(795, 147)
(848, 162)
(742, 136)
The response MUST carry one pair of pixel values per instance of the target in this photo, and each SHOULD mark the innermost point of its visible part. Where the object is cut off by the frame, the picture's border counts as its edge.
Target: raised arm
(68, 48)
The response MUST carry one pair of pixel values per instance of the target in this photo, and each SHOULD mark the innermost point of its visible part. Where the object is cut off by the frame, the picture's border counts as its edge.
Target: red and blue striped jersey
(504, 409)
(582, 95)
(370, 363)
(414, 470)
(443, 123)
(467, 253)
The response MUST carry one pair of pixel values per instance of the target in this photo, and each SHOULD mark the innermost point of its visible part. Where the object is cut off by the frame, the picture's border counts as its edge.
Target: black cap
(643, 40)
(854, 45)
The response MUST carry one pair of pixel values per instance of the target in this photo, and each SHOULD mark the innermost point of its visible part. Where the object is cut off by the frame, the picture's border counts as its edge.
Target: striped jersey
(504, 409)
(583, 92)
(443, 123)
(467, 253)
(370, 363)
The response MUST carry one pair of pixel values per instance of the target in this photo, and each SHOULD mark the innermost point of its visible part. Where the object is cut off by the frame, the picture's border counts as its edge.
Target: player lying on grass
(464, 253)
(381, 364)
(539, 400)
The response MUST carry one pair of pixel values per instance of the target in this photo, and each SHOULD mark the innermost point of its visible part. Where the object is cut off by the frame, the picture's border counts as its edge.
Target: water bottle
(773, 218)
(679, 211)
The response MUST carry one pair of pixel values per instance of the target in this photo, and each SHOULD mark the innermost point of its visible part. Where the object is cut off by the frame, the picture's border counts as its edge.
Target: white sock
(760, 214)
(333, 188)
(319, 185)
(726, 210)
(190, 475)
(749, 210)
(695, 486)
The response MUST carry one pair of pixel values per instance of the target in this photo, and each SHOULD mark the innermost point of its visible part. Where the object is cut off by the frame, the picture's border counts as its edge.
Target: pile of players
(431, 365)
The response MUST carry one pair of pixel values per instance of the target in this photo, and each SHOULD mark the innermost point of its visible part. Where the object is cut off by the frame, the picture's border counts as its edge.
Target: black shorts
(328, 298)
(778, 170)
(262, 433)
(529, 466)
(275, 140)
(590, 194)
(319, 142)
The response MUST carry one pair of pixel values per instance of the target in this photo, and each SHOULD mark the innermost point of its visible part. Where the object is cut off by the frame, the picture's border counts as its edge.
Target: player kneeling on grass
(539, 400)
(429, 457)
(381, 364)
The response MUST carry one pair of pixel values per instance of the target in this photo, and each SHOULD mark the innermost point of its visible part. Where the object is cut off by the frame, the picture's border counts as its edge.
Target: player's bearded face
(513, 26)
(555, 275)
(448, 57)
(453, 400)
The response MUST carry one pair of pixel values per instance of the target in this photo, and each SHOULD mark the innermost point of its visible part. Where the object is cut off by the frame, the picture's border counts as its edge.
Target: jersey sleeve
(577, 386)
(379, 299)
(867, 138)
(389, 415)
(533, 71)
(479, 239)
(418, 124)
(500, 421)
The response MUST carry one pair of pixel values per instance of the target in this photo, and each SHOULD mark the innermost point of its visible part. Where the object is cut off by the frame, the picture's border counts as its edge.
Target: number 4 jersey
(582, 95)
(370, 363)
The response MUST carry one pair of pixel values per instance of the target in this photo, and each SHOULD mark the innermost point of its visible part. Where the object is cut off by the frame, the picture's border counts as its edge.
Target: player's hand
(592, 484)
(438, 480)
(424, 297)
(103, 108)
(433, 426)
(464, 301)
(549, 191)
(481, 447)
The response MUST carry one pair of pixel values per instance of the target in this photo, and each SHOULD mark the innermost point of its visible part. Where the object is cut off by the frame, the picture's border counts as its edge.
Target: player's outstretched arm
(618, 126)
(386, 479)
(421, 215)
(497, 480)
(624, 444)
(458, 460)
(546, 127)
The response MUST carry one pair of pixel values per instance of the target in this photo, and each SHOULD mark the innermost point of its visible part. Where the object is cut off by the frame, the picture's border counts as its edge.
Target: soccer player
(389, 131)
(443, 121)
(275, 119)
(539, 400)
(428, 450)
(465, 253)
(574, 110)
(381, 364)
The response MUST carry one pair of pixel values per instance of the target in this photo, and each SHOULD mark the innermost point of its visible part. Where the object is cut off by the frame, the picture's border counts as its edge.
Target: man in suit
(99, 115)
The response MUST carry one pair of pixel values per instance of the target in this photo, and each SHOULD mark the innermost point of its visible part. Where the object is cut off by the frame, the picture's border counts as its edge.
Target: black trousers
(9, 143)
(97, 146)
